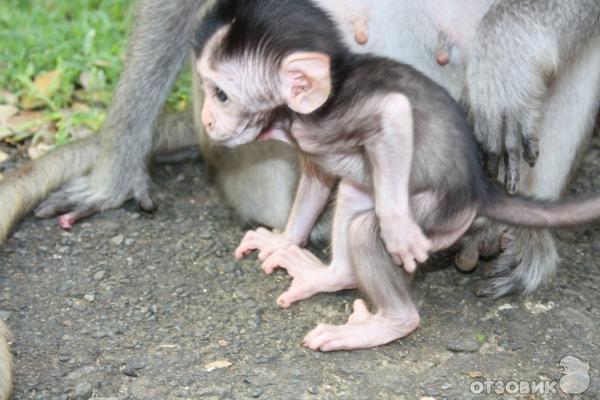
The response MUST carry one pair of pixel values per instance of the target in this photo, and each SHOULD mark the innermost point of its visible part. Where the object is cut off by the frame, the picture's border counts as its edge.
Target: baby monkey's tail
(523, 211)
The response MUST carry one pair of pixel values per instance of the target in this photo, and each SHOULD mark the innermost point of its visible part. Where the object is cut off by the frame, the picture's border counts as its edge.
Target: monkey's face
(244, 91)
(238, 99)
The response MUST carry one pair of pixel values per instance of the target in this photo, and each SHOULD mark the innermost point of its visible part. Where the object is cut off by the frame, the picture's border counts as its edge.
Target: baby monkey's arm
(311, 197)
(390, 154)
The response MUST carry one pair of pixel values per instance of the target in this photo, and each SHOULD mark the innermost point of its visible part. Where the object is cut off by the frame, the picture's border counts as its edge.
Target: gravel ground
(132, 306)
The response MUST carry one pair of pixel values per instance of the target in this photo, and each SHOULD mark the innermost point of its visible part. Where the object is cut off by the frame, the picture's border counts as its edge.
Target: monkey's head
(254, 65)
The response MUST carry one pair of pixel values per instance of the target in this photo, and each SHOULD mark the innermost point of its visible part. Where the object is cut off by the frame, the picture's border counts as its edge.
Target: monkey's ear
(306, 81)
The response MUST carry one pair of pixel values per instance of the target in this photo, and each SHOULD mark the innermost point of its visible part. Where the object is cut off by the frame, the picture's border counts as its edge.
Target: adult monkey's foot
(107, 186)
(363, 330)
(310, 275)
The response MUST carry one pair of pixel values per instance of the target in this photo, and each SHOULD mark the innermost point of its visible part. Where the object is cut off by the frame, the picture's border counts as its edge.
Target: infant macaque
(397, 146)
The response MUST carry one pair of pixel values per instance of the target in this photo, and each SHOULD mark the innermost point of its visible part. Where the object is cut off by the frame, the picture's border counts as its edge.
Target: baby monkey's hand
(264, 241)
(405, 241)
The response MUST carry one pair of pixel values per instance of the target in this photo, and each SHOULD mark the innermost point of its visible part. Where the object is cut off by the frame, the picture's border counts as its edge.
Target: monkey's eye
(221, 95)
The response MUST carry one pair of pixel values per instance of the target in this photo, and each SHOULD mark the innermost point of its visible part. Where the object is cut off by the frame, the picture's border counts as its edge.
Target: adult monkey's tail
(5, 364)
(19, 193)
(25, 187)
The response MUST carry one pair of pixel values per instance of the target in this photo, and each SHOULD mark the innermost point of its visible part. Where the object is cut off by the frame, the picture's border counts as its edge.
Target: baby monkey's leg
(310, 275)
(384, 283)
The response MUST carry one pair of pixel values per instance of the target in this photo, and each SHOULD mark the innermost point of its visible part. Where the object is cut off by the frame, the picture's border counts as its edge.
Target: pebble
(80, 373)
(98, 276)
(229, 267)
(133, 366)
(89, 298)
(313, 390)
(83, 391)
(117, 240)
(256, 392)
(463, 345)
(100, 334)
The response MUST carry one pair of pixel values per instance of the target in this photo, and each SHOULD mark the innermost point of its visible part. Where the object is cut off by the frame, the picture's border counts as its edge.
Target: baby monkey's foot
(264, 241)
(363, 330)
(310, 275)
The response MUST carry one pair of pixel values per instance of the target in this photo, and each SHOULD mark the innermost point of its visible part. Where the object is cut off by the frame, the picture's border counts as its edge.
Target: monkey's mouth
(265, 134)
(273, 132)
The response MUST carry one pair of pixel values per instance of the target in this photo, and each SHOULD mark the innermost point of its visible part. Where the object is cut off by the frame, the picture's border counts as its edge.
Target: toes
(420, 254)
(338, 344)
(409, 264)
(67, 221)
(467, 258)
(268, 251)
(272, 263)
(248, 244)
(293, 295)
(146, 202)
(54, 205)
(492, 163)
(531, 150)
(244, 249)
(326, 334)
(360, 312)
(314, 333)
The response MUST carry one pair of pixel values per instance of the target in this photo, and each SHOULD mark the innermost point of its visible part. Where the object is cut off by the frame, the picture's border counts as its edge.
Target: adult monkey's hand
(506, 83)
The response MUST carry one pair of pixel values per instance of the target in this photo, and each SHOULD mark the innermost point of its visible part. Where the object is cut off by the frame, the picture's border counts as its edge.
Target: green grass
(81, 43)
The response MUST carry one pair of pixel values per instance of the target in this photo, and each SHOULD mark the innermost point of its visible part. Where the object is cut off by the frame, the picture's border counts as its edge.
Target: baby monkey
(399, 148)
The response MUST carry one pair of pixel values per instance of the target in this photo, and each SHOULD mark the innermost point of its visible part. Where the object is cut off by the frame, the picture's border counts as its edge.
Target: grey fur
(158, 47)
(522, 52)
(380, 279)
(538, 37)
(5, 363)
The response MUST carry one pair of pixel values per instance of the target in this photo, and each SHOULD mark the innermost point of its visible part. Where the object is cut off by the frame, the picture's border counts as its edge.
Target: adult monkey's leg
(158, 47)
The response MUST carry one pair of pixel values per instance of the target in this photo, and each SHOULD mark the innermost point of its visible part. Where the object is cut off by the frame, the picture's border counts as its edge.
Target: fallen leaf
(38, 150)
(220, 364)
(47, 83)
(25, 121)
(474, 374)
(7, 112)
(3, 156)
(480, 337)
